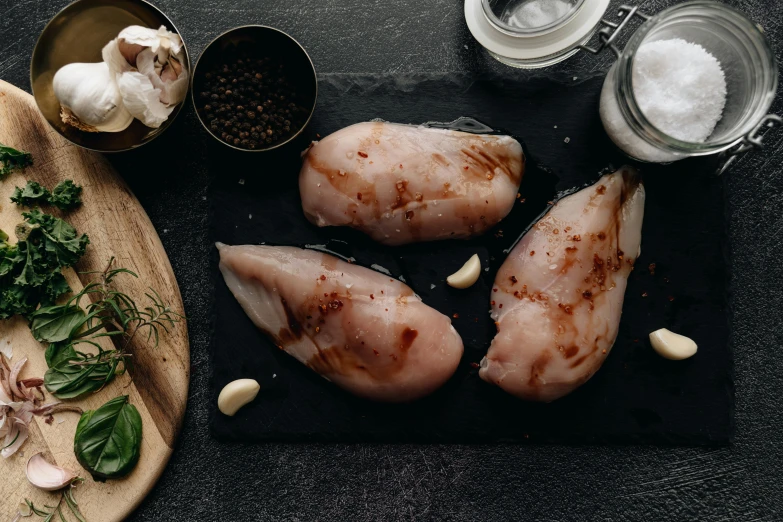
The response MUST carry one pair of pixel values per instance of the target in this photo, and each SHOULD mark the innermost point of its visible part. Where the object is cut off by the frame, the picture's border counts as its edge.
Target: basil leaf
(69, 381)
(56, 323)
(57, 353)
(108, 440)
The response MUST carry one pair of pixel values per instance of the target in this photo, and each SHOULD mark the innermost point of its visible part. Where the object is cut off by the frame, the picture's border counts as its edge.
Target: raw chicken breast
(558, 297)
(405, 183)
(360, 329)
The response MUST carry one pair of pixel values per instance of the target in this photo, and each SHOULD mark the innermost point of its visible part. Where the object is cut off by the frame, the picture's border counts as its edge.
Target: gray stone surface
(210, 481)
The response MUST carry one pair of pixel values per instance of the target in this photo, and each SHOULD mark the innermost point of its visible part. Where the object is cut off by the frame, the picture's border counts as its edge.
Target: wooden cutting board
(117, 226)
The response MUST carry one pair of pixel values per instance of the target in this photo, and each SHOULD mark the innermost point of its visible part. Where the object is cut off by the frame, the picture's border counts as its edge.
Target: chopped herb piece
(66, 195)
(31, 194)
(30, 270)
(11, 159)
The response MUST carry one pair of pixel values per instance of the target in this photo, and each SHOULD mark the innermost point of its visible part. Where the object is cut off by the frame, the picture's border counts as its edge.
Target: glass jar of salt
(695, 79)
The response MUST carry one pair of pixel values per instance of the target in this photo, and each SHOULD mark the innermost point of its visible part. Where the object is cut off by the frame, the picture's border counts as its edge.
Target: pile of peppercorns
(248, 102)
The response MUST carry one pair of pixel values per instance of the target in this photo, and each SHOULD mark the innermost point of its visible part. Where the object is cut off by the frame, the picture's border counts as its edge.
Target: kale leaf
(66, 195)
(11, 159)
(30, 270)
(32, 194)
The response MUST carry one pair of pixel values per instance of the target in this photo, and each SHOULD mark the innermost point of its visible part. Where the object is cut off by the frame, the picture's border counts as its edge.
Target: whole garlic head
(90, 99)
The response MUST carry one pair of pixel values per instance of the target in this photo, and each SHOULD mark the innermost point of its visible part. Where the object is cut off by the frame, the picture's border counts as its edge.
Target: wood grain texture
(117, 226)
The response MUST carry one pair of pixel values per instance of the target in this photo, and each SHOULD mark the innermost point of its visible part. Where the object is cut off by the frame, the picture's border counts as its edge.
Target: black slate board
(635, 397)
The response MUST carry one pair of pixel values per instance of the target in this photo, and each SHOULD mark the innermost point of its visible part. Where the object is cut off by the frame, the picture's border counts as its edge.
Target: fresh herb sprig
(66, 498)
(110, 313)
(11, 159)
(65, 196)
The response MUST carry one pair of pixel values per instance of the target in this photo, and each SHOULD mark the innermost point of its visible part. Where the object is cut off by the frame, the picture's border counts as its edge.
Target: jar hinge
(611, 30)
(752, 140)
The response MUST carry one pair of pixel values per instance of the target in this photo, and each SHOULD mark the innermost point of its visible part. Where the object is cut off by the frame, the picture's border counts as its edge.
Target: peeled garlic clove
(90, 99)
(236, 394)
(671, 345)
(47, 476)
(467, 275)
(142, 99)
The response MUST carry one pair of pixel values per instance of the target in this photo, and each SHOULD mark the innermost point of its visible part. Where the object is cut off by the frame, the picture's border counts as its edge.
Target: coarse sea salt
(679, 87)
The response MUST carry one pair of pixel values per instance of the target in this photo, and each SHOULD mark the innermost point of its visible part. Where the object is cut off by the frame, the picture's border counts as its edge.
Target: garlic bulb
(90, 99)
(149, 69)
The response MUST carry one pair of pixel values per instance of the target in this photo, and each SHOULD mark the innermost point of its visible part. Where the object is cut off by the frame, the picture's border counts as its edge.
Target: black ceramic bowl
(259, 42)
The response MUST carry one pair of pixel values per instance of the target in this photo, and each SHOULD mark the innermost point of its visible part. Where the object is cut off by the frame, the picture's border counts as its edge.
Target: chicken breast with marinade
(558, 298)
(405, 183)
(360, 329)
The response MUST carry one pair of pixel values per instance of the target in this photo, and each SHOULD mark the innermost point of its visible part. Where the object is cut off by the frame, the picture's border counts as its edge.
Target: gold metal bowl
(270, 42)
(77, 34)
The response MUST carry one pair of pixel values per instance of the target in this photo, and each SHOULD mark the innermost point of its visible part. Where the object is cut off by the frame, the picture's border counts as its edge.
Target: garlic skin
(466, 276)
(171, 78)
(142, 99)
(670, 345)
(45, 476)
(236, 394)
(90, 99)
(148, 66)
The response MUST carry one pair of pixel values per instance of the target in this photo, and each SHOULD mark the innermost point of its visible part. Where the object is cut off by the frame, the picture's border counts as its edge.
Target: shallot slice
(13, 378)
(5, 371)
(6, 399)
(6, 349)
(56, 407)
(16, 437)
(46, 476)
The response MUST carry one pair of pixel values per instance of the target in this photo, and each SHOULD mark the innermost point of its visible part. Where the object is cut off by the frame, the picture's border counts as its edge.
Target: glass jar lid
(529, 16)
(533, 33)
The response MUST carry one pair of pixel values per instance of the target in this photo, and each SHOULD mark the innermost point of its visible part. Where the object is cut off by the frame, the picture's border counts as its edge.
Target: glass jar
(529, 34)
(751, 81)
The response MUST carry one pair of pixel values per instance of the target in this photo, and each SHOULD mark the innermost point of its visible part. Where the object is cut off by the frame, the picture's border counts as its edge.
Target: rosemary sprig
(66, 498)
(110, 313)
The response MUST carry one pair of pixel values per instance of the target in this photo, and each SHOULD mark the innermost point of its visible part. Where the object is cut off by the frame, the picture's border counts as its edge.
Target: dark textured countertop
(210, 481)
